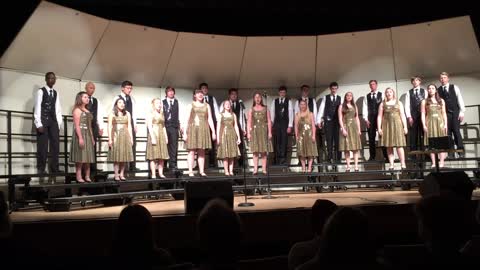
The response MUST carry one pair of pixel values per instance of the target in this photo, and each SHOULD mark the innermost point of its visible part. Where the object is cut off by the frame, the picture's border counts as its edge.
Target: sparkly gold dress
(392, 127)
(121, 150)
(306, 147)
(434, 121)
(87, 154)
(260, 142)
(352, 142)
(198, 136)
(159, 150)
(228, 147)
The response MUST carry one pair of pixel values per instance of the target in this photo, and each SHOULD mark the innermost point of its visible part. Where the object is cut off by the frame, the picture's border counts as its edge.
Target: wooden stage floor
(284, 200)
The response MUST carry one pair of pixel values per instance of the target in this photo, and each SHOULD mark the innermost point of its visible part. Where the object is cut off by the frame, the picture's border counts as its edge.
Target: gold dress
(434, 119)
(228, 147)
(87, 154)
(260, 143)
(121, 150)
(352, 142)
(198, 136)
(392, 127)
(306, 147)
(159, 150)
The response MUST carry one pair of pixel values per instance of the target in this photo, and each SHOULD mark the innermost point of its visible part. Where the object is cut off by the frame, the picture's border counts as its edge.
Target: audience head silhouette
(445, 222)
(5, 222)
(219, 233)
(346, 235)
(321, 211)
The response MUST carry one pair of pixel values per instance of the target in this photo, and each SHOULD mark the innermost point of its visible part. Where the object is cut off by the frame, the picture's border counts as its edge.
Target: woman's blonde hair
(393, 91)
(153, 105)
(78, 100)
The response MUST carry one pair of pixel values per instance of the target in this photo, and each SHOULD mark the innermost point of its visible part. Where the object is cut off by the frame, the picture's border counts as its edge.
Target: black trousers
(454, 129)
(281, 141)
(172, 135)
(415, 134)
(212, 156)
(50, 136)
(134, 149)
(241, 160)
(332, 130)
(320, 144)
(372, 133)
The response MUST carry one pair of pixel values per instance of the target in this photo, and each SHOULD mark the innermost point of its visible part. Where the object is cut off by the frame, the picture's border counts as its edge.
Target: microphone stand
(269, 192)
(245, 163)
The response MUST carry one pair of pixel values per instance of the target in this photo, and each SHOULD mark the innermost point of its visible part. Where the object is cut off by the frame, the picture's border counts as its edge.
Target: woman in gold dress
(120, 139)
(228, 137)
(157, 140)
(434, 120)
(82, 148)
(349, 130)
(305, 136)
(392, 126)
(199, 132)
(259, 132)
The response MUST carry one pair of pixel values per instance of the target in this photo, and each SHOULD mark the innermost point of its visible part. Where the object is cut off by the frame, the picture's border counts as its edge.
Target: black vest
(281, 111)
(128, 105)
(212, 110)
(48, 112)
(372, 105)
(237, 110)
(451, 101)
(415, 102)
(331, 108)
(92, 107)
(310, 103)
(173, 112)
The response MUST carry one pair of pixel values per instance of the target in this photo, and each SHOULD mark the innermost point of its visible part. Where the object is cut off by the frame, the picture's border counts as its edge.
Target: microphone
(241, 104)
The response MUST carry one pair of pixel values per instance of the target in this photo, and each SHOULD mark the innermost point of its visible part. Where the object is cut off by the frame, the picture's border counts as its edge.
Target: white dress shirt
(134, 106)
(215, 106)
(290, 111)
(165, 110)
(321, 111)
(408, 113)
(297, 108)
(461, 103)
(37, 114)
(365, 104)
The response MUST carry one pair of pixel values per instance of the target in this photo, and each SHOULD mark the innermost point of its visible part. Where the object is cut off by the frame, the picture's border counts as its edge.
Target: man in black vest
(130, 106)
(281, 113)
(172, 125)
(212, 102)
(455, 111)
(328, 117)
(371, 102)
(48, 120)
(413, 100)
(312, 105)
(238, 109)
(95, 107)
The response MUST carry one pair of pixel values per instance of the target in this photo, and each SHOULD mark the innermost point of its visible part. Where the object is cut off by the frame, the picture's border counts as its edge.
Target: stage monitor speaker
(456, 182)
(198, 193)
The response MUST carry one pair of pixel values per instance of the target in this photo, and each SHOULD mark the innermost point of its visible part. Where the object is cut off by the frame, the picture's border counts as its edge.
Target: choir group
(219, 131)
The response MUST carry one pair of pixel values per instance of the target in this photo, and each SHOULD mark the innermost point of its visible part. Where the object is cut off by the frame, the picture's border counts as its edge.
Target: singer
(259, 122)
(238, 108)
(282, 119)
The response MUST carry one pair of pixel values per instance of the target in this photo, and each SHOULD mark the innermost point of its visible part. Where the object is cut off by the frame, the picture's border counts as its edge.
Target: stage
(284, 200)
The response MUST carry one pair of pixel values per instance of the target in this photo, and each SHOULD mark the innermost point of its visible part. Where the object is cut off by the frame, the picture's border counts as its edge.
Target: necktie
(234, 105)
(170, 110)
(373, 95)
(416, 93)
(333, 98)
(206, 99)
(281, 101)
(51, 93)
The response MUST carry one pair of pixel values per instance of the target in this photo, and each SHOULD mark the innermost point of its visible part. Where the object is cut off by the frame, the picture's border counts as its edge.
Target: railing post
(9, 142)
